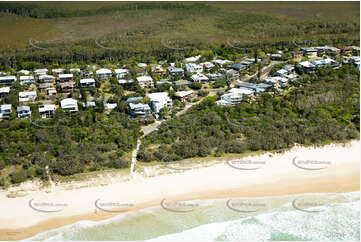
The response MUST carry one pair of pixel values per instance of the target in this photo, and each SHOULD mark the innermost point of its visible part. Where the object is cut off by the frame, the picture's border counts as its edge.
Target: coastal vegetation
(321, 107)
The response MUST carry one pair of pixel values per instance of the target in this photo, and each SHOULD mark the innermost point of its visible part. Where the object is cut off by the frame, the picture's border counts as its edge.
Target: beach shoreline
(276, 176)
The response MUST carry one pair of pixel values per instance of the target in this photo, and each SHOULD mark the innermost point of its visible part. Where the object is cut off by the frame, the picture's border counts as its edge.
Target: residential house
(4, 91)
(239, 66)
(309, 51)
(163, 81)
(325, 63)
(7, 79)
(46, 79)
(230, 99)
(40, 72)
(142, 65)
(27, 96)
(182, 83)
(42, 87)
(276, 57)
(103, 73)
(139, 109)
(27, 80)
(110, 106)
(221, 62)
(141, 71)
(207, 66)
(88, 82)
(199, 77)
(89, 105)
(66, 87)
(65, 77)
(215, 76)
(86, 74)
(51, 91)
(276, 81)
(69, 104)
(47, 110)
(145, 82)
(232, 73)
(126, 83)
(288, 68)
(192, 59)
(307, 66)
(57, 71)
(23, 112)
(174, 71)
(121, 73)
(24, 72)
(158, 69)
(281, 72)
(184, 95)
(159, 100)
(133, 99)
(191, 67)
(74, 70)
(5, 111)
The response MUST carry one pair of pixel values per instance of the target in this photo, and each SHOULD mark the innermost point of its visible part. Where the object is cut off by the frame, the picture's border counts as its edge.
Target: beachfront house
(159, 100)
(23, 112)
(27, 96)
(145, 81)
(7, 80)
(69, 104)
(139, 109)
(4, 91)
(47, 110)
(103, 73)
(5, 111)
(26, 80)
(87, 82)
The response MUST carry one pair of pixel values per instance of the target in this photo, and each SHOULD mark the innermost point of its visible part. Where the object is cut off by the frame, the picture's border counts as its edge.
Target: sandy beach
(333, 168)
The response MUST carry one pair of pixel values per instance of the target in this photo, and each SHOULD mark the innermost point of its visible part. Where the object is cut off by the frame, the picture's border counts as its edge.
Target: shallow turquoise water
(298, 217)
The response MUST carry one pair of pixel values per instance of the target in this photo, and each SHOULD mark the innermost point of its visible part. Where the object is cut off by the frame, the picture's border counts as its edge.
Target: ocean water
(296, 217)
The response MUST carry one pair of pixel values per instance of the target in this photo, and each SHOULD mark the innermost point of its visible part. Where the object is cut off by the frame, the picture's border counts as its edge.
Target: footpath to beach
(331, 168)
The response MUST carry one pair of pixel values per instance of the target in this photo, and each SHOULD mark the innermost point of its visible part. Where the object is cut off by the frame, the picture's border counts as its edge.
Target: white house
(230, 99)
(104, 73)
(242, 91)
(139, 109)
(65, 77)
(88, 82)
(192, 59)
(191, 67)
(4, 91)
(121, 73)
(27, 80)
(39, 72)
(207, 65)
(145, 81)
(7, 79)
(69, 104)
(47, 110)
(5, 111)
(46, 78)
(24, 72)
(110, 106)
(74, 70)
(57, 71)
(27, 96)
(159, 100)
(23, 112)
(199, 77)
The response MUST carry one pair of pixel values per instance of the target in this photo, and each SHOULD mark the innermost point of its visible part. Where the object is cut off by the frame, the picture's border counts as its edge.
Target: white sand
(277, 176)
